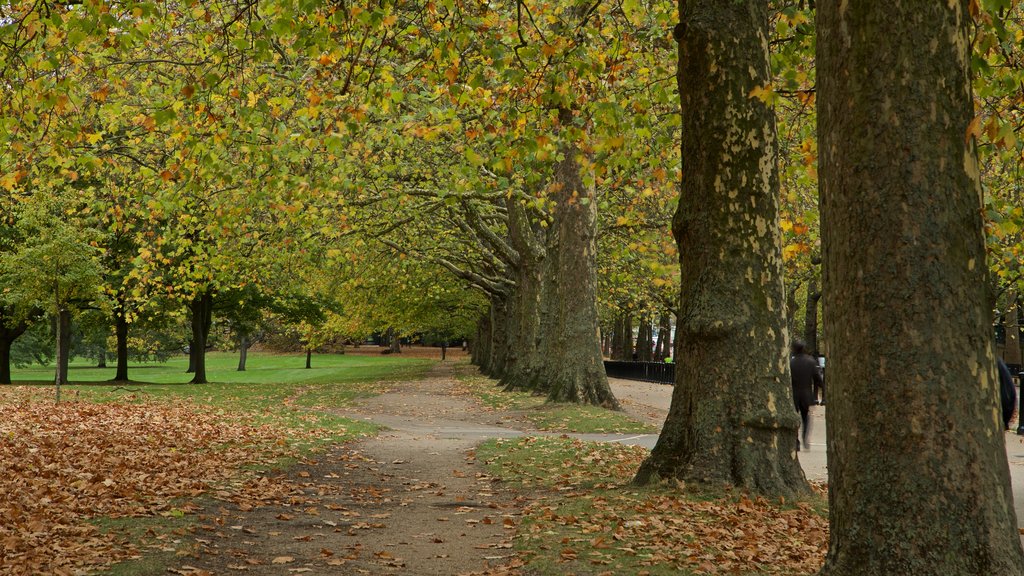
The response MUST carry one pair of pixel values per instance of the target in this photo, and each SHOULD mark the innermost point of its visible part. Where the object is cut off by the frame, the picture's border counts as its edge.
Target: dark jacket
(805, 375)
(1007, 392)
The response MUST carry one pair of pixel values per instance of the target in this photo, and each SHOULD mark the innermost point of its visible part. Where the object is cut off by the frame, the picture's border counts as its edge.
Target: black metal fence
(663, 372)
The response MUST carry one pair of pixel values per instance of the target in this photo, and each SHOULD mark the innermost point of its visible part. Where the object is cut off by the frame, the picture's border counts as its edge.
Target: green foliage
(56, 267)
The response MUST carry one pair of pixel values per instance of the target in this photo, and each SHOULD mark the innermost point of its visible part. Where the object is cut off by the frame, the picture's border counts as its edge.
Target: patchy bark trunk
(121, 353)
(622, 348)
(63, 348)
(731, 418)
(101, 359)
(482, 351)
(918, 475)
(540, 372)
(499, 338)
(395, 343)
(524, 302)
(576, 373)
(243, 352)
(811, 318)
(202, 318)
(309, 358)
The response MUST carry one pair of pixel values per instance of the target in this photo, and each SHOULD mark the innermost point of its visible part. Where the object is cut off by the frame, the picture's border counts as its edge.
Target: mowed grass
(275, 388)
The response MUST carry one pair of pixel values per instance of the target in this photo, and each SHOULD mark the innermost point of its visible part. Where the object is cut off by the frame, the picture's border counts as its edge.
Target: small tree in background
(56, 270)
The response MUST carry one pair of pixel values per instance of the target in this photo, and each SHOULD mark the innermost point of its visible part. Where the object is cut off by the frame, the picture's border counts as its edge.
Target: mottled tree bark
(524, 301)
(499, 337)
(731, 418)
(395, 342)
(918, 476)
(576, 371)
(309, 358)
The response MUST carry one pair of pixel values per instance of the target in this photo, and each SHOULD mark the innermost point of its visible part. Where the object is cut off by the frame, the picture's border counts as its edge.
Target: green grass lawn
(274, 388)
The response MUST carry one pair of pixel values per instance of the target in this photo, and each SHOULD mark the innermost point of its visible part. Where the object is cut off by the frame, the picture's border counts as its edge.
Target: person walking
(806, 376)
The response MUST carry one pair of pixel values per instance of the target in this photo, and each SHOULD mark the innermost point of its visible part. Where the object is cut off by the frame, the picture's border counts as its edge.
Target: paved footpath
(650, 401)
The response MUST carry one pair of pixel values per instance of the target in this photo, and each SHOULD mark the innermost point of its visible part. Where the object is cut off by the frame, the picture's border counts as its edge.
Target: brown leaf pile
(62, 464)
(602, 517)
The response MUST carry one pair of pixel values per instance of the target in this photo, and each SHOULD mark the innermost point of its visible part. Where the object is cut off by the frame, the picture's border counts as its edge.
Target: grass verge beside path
(576, 418)
(587, 519)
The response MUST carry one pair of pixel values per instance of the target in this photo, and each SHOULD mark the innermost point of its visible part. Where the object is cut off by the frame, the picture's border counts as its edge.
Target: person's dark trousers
(805, 420)
(819, 398)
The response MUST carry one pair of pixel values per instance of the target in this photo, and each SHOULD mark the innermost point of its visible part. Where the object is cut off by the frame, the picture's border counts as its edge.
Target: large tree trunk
(482, 351)
(309, 358)
(732, 418)
(395, 343)
(540, 372)
(243, 352)
(499, 337)
(63, 348)
(524, 308)
(576, 373)
(811, 318)
(918, 476)
(101, 359)
(202, 318)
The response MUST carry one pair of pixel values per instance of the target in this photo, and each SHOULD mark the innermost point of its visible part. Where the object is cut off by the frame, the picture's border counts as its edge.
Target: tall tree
(731, 417)
(918, 475)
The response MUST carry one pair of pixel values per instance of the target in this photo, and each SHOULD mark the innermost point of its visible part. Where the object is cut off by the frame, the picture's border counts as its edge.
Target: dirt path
(411, 501)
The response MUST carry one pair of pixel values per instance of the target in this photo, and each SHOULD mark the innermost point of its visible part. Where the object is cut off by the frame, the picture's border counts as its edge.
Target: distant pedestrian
(1007, 393)
(806, 375)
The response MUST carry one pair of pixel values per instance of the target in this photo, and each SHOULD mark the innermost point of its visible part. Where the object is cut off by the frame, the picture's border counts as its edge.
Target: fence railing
(663, 372)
